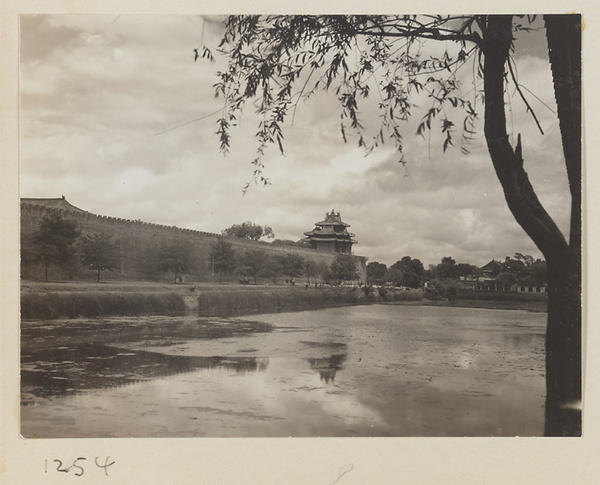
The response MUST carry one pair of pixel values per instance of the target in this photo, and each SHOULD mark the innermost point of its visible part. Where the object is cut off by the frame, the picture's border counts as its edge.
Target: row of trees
(410, 272)
(257, 263)
(518, 269)
(405, 272)
(58, 242)
(524, 269)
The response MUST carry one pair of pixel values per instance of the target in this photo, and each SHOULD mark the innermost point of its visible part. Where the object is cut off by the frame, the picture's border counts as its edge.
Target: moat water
(372, 370)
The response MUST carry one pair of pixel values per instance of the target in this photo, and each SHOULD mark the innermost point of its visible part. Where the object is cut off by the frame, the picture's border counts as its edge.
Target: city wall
(135, 240)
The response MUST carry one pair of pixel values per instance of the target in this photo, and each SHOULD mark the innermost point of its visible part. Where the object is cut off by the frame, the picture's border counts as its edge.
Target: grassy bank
(269, 301)
(51, 301)
(53, 305)
(241, 302)
(72, 300)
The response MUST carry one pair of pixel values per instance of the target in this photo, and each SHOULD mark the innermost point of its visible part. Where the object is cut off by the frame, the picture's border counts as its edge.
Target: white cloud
(98, 93)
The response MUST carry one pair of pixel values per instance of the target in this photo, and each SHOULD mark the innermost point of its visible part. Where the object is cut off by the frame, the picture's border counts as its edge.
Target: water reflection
(68, 370)
(351, 371)
(328, 367)
(521, 341)
(164, 330)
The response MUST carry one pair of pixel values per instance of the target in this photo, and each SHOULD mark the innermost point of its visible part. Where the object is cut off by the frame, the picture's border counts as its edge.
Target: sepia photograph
(300, 225)
(318, 245)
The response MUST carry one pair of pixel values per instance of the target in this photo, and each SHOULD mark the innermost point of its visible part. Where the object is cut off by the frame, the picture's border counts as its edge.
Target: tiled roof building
(491, 269)
(331, 235)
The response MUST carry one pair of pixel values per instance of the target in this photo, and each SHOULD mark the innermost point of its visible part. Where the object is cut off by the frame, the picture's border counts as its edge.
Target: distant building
(491, 269)
(529, 285)
(532, 288)
(331, 235)
(487, 280)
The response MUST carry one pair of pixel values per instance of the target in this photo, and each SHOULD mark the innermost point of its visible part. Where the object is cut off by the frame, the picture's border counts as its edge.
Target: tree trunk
(563, 348)
(98, 277)
(563, 337)
(563, 33)
(563, 334)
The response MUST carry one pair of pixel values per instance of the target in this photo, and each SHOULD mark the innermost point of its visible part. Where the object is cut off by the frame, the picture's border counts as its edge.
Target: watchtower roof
(57, 203)
(332, 218)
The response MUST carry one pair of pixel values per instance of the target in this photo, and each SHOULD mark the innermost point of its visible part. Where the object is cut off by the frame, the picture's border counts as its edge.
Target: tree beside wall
(222, 258)
(53, 244)
(100, 253)
(175, 258)
(343, 268)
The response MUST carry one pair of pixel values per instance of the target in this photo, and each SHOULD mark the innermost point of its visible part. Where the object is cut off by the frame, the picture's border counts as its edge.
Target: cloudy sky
(117, 117)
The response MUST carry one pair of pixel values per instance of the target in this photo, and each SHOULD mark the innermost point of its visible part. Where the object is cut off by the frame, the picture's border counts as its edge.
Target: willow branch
(431, 34)
(529, 108)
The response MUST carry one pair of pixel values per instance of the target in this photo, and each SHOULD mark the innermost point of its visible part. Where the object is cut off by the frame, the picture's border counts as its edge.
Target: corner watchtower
(331, 235)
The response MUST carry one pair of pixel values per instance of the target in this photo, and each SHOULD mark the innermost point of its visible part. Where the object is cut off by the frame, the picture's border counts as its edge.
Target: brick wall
(136, 240)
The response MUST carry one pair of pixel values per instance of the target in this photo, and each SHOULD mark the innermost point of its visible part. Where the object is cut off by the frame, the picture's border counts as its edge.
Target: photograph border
(288, 460)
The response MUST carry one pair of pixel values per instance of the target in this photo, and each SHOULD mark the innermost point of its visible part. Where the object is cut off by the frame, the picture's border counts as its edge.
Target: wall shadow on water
(36, 334)
(60, 371)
